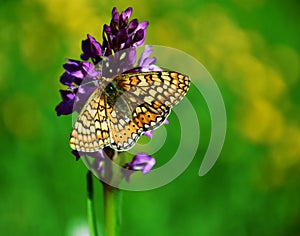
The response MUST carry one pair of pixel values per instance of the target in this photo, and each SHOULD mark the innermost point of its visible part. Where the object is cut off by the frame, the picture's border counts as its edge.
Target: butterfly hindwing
(126, 125)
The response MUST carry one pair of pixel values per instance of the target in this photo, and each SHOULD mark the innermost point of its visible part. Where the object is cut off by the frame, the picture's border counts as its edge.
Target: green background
(250, 47)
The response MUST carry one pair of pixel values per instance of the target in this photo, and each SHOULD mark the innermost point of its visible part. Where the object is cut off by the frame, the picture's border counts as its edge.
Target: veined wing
(91, 130)
(145, 103)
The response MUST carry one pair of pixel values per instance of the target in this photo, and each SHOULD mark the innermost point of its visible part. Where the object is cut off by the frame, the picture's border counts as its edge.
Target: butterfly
(124, 106)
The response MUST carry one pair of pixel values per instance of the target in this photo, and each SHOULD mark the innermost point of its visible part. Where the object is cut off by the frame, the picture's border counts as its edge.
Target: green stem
(90, 205)
(111, 217)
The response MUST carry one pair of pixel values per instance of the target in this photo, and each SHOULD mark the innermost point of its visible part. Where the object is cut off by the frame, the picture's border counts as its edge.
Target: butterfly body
(125, 106)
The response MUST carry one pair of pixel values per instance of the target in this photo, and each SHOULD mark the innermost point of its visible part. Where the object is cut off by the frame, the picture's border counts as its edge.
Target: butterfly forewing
(130, 105)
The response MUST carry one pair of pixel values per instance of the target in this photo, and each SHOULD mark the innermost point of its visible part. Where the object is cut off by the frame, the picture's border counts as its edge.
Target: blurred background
(251, 47)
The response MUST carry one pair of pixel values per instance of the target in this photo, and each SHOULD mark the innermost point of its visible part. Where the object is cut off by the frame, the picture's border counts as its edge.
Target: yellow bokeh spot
(250, 78)
(74, 17)
(260, 122)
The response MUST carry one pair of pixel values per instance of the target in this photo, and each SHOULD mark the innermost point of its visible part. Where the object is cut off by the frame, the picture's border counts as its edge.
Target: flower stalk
(90, 205)
(111, 208)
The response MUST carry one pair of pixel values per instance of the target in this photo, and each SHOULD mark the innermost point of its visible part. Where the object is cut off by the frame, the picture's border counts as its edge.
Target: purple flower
(91, 49)
(76, 71)
(122, 33)
(66, 105)
(140, 162)
(140, 34)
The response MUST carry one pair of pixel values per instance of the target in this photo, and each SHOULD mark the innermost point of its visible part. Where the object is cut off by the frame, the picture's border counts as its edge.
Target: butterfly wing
(142, 103)
(145, 103)
(91, 129)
